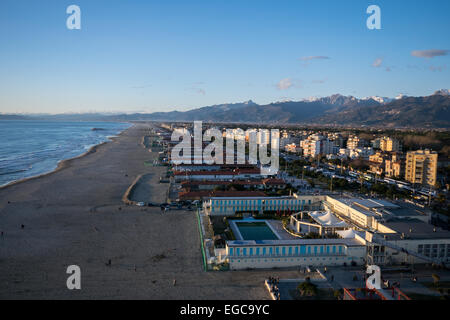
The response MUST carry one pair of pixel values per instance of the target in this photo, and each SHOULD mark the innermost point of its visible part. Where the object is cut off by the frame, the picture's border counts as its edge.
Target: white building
(226, 206)
(244, 254)
(315, 145)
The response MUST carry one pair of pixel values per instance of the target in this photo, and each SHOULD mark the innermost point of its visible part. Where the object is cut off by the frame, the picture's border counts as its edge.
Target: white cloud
(314, 58)
(437, 68)
(377, 63)
(428, 54)
(284, 84)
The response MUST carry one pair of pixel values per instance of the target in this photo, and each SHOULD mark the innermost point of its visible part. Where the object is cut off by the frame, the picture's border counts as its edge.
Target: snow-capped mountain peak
(442, 92)
(378, 99)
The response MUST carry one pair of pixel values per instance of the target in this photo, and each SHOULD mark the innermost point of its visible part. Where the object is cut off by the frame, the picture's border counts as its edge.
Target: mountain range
(336, 110)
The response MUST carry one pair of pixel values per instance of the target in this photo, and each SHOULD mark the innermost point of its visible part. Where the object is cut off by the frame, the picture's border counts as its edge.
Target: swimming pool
(258, 230)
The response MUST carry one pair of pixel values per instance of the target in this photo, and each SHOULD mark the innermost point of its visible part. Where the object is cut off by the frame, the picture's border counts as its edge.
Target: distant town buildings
(296, 225)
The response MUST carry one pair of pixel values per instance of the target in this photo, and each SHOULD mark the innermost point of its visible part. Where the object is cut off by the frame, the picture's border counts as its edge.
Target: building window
(244, 251)
(420, 249)
(231, 251)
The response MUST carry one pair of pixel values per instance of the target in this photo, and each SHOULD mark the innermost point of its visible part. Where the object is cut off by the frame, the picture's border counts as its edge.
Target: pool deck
(277, 227)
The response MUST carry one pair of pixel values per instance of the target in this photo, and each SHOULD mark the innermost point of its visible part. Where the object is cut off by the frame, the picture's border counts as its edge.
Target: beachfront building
(353, 231)
(244, 254)
(395, 232)
(229, 206)
(238, 174)
(370, 214)
(260, 184)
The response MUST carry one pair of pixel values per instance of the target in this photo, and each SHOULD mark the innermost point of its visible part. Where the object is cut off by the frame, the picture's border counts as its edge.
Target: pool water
(255, 231)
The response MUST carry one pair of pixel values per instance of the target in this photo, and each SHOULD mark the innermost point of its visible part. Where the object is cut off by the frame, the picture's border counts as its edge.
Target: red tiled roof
(206, 194)
(216, 173)
(273, 181)
(209, 182)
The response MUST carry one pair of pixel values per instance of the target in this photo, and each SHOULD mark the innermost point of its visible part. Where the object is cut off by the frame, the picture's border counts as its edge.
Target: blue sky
(145, 56)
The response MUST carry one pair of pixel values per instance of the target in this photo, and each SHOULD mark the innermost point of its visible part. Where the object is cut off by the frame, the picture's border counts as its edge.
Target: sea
(31, 148)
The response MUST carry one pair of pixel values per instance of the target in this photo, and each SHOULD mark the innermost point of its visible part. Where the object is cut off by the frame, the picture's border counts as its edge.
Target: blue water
(256, 231)
(30, 148)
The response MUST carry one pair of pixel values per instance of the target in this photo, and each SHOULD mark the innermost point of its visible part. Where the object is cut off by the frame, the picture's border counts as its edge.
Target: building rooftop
(347, 242)
(254, 198)
(217, 173)
(240, 182)
(413, 229)
(383, 209)
(327, 219)
(219, 194)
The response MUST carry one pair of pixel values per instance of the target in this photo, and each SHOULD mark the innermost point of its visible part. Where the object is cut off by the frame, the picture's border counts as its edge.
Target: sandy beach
(75, 215)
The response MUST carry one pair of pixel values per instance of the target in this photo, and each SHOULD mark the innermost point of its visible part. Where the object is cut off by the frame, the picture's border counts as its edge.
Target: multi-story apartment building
(292, 147)
(337, 139)
(354, 142)
(389, 144)
(395, 165)
(421, 167)
(377, 162)
(315, 145)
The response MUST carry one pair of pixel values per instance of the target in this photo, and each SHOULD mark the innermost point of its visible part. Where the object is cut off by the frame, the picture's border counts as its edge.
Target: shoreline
(77, 216)
(65, 163)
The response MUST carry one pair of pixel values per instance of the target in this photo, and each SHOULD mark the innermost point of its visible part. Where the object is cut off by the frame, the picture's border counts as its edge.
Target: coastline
(77, 216)
(65, 163)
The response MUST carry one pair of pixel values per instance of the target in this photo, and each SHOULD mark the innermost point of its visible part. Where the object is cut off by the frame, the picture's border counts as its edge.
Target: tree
(307, 288)
(337, 294)
(436, 279)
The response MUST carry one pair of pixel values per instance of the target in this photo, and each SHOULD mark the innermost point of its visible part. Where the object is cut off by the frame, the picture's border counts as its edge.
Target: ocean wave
(38, 147)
